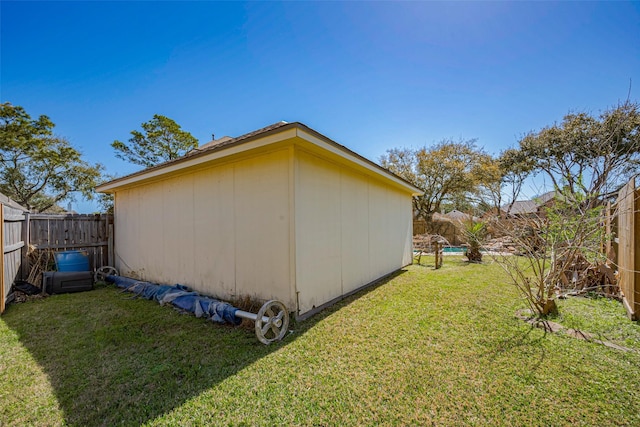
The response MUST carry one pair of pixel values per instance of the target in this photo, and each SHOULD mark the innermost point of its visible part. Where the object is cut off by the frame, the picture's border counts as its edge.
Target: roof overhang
(281, 135)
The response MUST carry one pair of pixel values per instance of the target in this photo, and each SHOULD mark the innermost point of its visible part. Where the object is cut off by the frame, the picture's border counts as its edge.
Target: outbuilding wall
(223, 230)
(350, 229)
(291, 216)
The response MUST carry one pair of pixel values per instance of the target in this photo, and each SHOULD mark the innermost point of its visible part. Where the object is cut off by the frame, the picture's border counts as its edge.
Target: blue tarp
(180, 296)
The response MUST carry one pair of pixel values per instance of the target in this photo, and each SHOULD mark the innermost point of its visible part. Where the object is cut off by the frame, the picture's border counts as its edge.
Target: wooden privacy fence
(92, 234)
(446, 229)
(628, 247)
(24, 236)
(13, 247)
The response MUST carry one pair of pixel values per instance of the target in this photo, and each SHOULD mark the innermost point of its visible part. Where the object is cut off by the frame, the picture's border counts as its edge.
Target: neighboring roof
(523, 207)
(544, 198)
(441, 217)
(457, 215)
(210, 150)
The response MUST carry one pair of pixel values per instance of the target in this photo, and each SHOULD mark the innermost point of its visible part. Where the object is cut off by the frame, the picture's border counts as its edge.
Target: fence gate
(629, 247)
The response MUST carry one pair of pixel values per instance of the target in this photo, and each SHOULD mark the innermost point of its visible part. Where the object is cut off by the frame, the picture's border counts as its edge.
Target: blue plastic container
(72, 261)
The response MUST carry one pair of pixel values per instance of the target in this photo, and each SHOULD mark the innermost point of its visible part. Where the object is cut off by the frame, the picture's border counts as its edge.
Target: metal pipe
(254, 317)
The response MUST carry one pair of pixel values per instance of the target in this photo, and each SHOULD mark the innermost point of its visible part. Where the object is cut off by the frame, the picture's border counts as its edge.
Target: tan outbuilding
(280, 213)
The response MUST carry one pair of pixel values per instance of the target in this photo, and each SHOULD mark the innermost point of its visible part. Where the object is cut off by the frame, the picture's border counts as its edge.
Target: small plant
(556, 246)
(476, 234)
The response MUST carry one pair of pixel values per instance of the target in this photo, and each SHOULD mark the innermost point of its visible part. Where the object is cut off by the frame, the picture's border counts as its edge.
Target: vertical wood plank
(110, 260)
(628, 247)
(2, 281)
(635, 256)
(26, 267)
(606, 246)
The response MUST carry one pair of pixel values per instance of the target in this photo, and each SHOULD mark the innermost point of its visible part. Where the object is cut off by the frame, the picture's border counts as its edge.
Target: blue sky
(370, 75)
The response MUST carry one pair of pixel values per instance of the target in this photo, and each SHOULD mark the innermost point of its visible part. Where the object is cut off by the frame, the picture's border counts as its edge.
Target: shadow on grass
(111, 359)
(524, 339)
(114, 360)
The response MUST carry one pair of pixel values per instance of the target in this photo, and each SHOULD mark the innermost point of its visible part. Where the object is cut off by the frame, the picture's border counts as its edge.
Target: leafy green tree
(37, 169)
(161, 140)
(448, 172)
(587, 154)
(488, 175)
(106, 200)
(514, 168)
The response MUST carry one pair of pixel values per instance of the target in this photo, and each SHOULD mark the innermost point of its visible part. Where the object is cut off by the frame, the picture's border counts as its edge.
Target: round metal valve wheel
(272, 322)
(102, 273)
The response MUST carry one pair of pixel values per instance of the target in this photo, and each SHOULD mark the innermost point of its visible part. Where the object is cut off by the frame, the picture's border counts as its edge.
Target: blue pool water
(453, 249)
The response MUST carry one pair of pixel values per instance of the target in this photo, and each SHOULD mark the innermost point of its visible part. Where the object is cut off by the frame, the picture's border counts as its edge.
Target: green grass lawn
(427, 347)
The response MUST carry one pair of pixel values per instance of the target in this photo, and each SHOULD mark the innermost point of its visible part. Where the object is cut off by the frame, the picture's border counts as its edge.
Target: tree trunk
(473, 254)
(549, 307)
